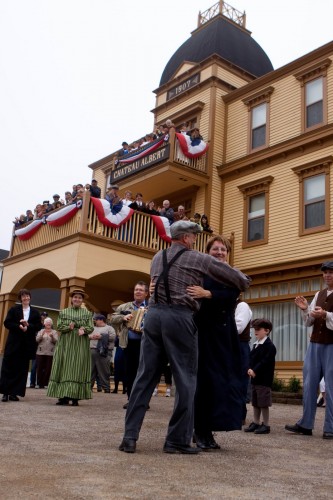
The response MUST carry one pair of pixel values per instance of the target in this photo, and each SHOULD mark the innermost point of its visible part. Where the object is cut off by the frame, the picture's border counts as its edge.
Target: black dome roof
(224, 38)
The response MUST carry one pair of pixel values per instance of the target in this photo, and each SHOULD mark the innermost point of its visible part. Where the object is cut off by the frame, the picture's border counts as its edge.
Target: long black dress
(219, 399)
(20, 348)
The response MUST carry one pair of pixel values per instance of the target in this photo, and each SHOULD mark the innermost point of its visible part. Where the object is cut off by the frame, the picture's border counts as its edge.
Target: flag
(189, 150)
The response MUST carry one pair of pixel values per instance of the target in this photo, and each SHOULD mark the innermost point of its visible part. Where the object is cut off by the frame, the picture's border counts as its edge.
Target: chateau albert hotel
(264, 182)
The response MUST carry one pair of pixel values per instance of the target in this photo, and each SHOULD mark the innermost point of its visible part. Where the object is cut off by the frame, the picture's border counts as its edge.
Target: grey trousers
(100, 366)
(170, 330)
(318, 362)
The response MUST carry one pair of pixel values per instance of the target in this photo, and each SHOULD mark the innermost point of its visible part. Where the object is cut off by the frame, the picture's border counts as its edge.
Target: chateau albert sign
(183, 86)
(123, 171)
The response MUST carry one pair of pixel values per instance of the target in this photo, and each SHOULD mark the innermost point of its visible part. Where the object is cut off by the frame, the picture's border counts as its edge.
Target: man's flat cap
(184, 226)
(327, 265)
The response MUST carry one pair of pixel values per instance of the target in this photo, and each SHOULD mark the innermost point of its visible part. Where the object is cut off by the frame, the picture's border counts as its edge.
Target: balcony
(158, 174)
(138, 235)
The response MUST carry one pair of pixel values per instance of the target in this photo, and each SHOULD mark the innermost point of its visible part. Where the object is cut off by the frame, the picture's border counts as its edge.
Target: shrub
(278, 385)
(294, 384)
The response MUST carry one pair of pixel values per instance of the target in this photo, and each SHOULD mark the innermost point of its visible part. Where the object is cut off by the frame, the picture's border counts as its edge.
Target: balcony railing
(139, 231)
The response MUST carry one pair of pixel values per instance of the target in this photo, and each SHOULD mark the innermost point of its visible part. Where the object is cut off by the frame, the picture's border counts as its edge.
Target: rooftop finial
(224, 9)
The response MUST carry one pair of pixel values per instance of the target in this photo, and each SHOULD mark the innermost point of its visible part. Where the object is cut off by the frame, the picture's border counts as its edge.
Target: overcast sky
(77, 78)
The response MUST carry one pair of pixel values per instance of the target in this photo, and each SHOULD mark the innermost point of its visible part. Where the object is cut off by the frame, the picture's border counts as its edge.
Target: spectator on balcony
(183, 129)
(124, 150)
(134, 146)
(138, 204)
(57, 203)
(47, 206)
(95, 190)
(78, 193)
(127, 200)
(196, 138)
(196, 218)
(159, 131)
(150, 208)
(74, 191)
(180, 214)
(205, 224)
(19, 221)
(167, 211)
(29, 216)
(39, 211)
(68, 198)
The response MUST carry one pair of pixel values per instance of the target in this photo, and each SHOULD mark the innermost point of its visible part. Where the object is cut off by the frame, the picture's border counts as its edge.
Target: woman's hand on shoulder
(197, 292)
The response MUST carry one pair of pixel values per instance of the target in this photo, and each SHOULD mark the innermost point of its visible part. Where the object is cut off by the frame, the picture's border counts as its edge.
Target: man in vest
(169, 329)
(318, 360)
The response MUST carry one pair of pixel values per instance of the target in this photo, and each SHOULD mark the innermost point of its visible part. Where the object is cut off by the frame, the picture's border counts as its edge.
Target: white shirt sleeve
(308, 320)
(243, 315)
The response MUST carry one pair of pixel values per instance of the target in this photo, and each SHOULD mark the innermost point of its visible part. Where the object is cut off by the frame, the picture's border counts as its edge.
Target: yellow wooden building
(264, 182)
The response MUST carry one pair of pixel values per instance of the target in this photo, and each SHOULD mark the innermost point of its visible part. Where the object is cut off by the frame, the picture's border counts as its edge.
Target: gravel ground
(51, 452)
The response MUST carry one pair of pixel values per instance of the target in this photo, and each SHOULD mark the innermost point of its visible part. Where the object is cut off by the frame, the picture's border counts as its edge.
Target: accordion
(136, 323)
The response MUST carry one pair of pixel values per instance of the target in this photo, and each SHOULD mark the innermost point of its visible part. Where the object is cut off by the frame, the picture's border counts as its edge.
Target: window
(256, 197)
(314, 102)
(314, 195)
(258, 126)
(256, 217)
(258, 108)
(314, 201)
(313, 82)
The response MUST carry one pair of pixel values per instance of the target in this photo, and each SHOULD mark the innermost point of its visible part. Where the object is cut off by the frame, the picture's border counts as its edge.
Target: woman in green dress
(70, 378)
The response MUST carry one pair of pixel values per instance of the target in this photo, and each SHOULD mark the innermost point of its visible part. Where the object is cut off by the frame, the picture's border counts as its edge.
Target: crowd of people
(46, 207)
(157, 335)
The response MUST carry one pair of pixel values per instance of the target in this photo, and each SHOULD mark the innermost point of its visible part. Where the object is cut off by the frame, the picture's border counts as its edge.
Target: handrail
(227, 10)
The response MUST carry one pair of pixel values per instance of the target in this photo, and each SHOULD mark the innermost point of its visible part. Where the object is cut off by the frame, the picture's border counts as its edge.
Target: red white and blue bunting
(53, 219)
(107, 217)
(188, 150)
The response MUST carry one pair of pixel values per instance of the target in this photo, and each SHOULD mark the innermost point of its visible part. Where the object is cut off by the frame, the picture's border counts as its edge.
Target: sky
(77, 79)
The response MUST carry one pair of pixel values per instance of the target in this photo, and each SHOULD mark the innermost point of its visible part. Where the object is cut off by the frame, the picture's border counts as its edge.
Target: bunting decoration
(111, 217)
(188, 150)
(152, 146)
(63, 215)
(53, 219)
(26, 232)
(163, 227)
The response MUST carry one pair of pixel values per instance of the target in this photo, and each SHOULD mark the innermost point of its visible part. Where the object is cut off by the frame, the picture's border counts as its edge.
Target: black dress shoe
(201, 442)
(4, 398)
(75, 402)
(252, 427)
(12, 397)
(125, 406)
(99, 389)
(32, 386)
(128, 445)
(114, 391)
(297, 429)
(62, 401)
(263, 429)
(212, 443)
(185, 449)
(328, 435)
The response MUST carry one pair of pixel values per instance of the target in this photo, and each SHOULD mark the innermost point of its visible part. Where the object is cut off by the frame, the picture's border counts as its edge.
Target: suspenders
(165, 274)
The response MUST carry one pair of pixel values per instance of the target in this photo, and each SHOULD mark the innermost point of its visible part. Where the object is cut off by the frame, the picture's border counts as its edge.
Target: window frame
(250, 189)
(312, 169)
(308, 75)
(257, 99)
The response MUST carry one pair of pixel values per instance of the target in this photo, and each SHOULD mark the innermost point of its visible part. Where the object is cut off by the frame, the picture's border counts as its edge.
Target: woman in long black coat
(219, 398)
(23, 323)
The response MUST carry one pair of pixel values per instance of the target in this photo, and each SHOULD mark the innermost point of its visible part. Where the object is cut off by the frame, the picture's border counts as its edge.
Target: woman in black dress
(23, 323)
(219, 399)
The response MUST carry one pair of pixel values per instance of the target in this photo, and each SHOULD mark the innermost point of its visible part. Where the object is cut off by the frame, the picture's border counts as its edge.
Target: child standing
(261, 371)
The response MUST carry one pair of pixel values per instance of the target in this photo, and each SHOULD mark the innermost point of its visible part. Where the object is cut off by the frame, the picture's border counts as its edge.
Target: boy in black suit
(261, 371)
